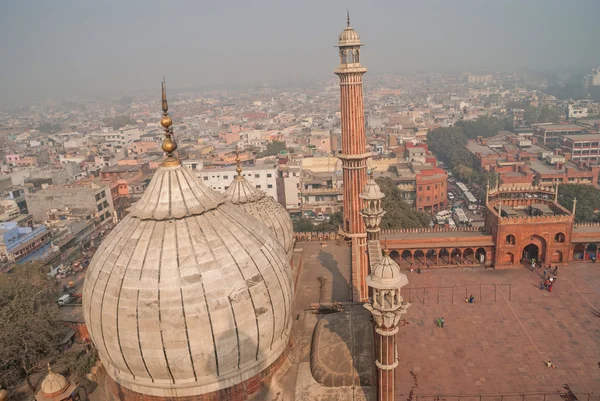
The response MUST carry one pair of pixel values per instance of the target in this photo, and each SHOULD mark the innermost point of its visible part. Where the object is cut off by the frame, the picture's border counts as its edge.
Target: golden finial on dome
(238, 169)
(168, 145)
(49, 368)
(386, 250)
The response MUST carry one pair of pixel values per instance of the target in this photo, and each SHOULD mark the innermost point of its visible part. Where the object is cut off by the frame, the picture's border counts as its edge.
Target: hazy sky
(57, 48)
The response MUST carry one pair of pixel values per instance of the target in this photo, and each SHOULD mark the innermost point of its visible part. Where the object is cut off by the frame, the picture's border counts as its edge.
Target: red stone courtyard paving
(499, 348)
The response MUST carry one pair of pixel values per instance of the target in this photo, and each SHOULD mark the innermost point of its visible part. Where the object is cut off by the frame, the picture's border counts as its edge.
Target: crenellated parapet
(315, 236)
(585, 225)
(536, 219)
(518, 187)
(429, 230)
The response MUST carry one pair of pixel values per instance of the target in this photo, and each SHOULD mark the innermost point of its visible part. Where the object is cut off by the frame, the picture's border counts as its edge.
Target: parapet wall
(535, 219)
(331, 236)
(315, 236)
(430, 230)
(582, 225)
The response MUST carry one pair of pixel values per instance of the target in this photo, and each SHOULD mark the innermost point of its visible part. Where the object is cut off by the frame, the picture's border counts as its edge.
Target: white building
(263, 177)
(289, 187)
(117, 139)
(577, 111)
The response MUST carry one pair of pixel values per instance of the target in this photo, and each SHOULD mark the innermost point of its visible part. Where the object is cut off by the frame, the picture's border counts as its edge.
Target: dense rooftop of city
(246, 226)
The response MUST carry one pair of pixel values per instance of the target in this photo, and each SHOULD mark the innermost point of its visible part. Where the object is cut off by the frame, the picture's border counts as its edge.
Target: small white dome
(53, 384)
(386, 275)
(349, 37)
(372, 191)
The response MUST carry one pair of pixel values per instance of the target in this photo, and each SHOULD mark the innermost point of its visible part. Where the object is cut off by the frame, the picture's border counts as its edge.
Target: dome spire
(348, 18)
(168, 145)
(238, 169)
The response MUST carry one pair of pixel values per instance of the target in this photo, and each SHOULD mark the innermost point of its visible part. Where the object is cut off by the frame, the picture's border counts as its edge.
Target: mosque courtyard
(495, 346)
(498, 345)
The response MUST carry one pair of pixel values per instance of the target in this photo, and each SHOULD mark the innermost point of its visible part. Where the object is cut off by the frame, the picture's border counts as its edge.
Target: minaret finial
(168, 144)
(574, 205)
(165, 106)
(49, 369)
(238, 169)
(348, 18)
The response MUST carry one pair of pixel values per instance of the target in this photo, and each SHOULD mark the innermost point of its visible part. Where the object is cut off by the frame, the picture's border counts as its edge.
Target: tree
(273, 149)
(399, 214)
(449, 146)
(119, 121)
(588, 201)
(335, 221)
(49, 128)
(303, 225)
(30, 329)
(544, 114)
(483, 126)
(80, 361)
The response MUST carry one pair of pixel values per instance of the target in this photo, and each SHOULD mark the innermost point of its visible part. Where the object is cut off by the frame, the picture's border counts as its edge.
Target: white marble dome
(371, 190)
(188, 294)
(53, 384)
(349, 37)
(266, 209)
(386, 274)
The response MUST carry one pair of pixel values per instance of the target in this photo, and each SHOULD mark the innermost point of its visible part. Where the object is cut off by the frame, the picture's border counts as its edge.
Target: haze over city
(70, 48)
(324, 201)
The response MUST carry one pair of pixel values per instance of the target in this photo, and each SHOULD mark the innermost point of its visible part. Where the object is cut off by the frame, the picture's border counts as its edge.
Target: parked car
(65, 299)
(450, 196)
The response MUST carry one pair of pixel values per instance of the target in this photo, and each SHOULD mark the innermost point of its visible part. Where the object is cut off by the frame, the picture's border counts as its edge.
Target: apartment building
(263, 177)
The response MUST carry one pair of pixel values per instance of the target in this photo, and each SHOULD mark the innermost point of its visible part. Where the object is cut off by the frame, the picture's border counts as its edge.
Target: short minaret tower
(386, 306)
(354, 152)
(372, 212)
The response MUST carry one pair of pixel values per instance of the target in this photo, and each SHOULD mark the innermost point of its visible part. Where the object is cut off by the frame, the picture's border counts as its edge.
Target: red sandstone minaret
(354, 154)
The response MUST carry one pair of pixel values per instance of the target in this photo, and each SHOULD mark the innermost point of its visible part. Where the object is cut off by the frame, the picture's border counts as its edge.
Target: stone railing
(537, 219)
(315, 236)
(429, 230)
(519, 187)
(322, 191)
(582, 225)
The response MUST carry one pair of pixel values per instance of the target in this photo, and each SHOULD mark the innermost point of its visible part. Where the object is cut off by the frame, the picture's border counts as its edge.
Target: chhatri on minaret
(188, 296)
(354, 154)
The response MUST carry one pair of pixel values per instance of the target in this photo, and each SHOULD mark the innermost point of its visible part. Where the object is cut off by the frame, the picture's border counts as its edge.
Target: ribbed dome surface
(53, 384)
(266, 209)
(188, 294)
(372, 191)
(387, 274)
(349, 37)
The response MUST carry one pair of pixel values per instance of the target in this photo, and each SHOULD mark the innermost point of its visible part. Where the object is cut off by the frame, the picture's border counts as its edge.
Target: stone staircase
(374, 250)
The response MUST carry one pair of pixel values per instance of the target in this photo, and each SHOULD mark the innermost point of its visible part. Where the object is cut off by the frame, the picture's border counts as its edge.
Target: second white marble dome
(188, 294)
(266, 209)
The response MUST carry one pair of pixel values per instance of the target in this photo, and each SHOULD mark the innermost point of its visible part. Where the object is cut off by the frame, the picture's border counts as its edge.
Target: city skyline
(71, 49)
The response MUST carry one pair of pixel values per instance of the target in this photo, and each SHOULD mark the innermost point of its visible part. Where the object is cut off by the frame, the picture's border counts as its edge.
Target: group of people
(550, 277)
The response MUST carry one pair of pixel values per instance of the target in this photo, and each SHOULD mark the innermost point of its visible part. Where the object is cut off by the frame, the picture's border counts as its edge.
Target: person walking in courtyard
(545, 272)
(442, 321)
(555, 272)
